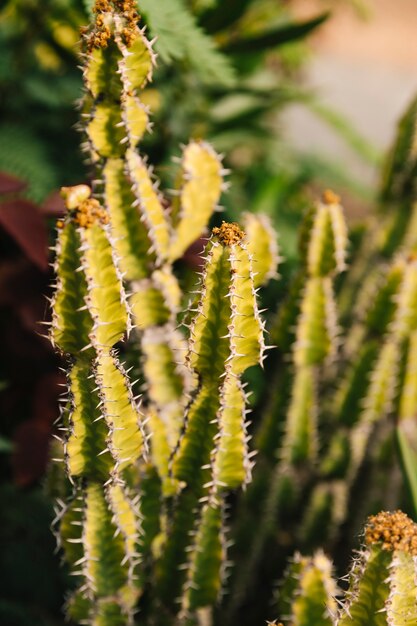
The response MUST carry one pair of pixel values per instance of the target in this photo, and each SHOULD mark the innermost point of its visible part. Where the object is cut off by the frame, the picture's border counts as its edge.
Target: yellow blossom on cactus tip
(229, 233)
(395, 531)
(329, 197)
(73, 196)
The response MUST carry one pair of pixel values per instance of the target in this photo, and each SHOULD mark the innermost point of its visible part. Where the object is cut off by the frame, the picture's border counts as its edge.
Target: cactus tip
(329, 197)
(229, 233)
(396, 531)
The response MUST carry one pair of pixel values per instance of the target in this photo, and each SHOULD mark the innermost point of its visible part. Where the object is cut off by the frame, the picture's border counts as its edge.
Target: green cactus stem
(323, 248)
(307, 595)
(226, 337)
(263, 246)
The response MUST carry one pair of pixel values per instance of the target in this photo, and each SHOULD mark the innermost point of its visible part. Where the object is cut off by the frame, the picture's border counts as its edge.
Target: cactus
(382, 582)
(151, 502)
(308, 594)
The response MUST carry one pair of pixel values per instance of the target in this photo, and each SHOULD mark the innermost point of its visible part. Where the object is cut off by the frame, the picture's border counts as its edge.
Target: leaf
(347, 131)
(24, 154)
(10, 184)
(180, 38)
(277, 37)
(218, 19)
(22, 220)
(5, 445)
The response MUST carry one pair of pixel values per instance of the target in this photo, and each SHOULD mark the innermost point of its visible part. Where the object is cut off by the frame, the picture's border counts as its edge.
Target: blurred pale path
(364, 68)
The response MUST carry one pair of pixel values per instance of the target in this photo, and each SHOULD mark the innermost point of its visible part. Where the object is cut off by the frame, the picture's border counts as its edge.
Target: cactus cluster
(153, 497)
(382, 581)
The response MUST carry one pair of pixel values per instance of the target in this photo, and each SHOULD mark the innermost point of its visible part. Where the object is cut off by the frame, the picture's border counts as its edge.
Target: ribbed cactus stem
(104, 430)
(226, 339)
(323, 247)
(212, 455)
(307, 595)
(148, 235)
(263, 246)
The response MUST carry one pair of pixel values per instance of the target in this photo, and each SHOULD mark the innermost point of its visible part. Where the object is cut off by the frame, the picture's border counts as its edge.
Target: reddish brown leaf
(22, 220)
(192, 256)
(54, 205)
(31, 438)
(10, 184)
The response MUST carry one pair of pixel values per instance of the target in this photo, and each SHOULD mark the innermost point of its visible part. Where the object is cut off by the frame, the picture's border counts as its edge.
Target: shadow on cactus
(152, 500)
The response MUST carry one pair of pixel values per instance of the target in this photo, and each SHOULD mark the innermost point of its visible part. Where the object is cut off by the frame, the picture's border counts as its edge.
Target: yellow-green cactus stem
(150, 205)
(192, 456)
(385, 376)
(301, 441)
(86, 446)
(397, 180)
(109, 534)
(262, 245)
(71, 519)
(307, 595)
(117, 52)
(156, 299)
(383, 587)
(86, 227)
(201, 186)
(323, 248)
(325, 511)
(106, 299)
(71, 321)
(323, 240)
(232, 466)
(126, 440)
(227, 327)
(226, 339)
(408, 400)
(317, 327)
(207, 558)
(131, 237)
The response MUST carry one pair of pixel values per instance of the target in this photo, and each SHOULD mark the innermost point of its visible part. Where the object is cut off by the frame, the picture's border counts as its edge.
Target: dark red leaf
(10, 184)
(54, 205)
(30, 452)
(192, 256)
(22, 220)
(31, 438)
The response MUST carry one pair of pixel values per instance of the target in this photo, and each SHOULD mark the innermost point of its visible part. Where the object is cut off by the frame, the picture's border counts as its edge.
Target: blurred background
(299, 95)
(364, 66)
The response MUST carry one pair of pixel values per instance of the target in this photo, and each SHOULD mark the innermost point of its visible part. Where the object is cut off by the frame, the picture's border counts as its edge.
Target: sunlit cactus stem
(148, 235)
(212, 455)
(99, 527)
